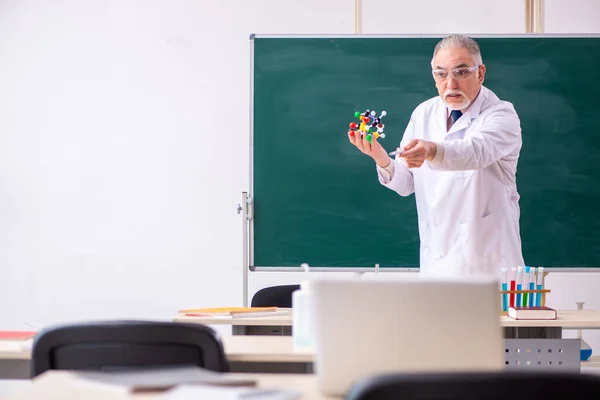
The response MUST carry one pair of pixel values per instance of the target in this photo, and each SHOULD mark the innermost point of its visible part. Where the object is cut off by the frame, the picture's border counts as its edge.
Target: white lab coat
(467, 199)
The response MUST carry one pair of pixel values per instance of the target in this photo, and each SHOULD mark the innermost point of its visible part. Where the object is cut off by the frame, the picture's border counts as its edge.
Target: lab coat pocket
(425, 240)
(463, 174)
(483, 241)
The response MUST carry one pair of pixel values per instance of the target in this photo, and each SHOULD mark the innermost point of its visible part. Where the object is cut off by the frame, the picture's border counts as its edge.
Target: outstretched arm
(396, 175)
(498, 137)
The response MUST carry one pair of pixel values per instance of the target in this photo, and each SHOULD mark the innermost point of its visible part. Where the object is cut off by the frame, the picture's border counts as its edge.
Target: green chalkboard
(317, 199)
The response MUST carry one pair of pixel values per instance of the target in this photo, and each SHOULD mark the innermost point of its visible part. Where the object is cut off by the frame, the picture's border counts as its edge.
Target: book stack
(234, 312)
(531, 313)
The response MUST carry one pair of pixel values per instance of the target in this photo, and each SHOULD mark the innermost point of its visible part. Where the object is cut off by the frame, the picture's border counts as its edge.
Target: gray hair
(459, 42)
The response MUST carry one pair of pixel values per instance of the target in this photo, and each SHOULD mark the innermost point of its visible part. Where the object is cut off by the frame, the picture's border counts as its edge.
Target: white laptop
(369, 327)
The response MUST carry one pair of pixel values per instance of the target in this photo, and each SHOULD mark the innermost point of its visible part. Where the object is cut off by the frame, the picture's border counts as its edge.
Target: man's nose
(451, 83)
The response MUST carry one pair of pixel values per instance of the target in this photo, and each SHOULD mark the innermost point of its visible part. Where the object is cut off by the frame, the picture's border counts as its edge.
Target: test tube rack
(530, 292)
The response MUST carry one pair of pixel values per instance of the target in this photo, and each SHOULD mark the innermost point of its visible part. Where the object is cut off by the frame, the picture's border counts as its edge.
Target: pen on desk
(540, 286)
(525, 284)
(531, 286)
(519, 285)
(504, 287)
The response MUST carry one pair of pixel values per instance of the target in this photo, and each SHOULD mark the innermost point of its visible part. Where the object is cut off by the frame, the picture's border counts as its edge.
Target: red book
(16, 335)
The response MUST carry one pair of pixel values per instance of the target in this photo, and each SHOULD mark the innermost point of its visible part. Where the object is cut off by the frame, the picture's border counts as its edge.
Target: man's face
(457, 91)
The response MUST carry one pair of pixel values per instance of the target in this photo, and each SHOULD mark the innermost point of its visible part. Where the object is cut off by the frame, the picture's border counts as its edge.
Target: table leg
(259, 330)
(271, 367)
(14, 369)
(533, 332)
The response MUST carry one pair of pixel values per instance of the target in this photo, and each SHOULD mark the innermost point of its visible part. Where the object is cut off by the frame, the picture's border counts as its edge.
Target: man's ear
(481, 72)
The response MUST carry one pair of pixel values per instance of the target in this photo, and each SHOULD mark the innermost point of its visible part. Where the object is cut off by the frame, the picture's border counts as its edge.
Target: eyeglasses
(460, 73)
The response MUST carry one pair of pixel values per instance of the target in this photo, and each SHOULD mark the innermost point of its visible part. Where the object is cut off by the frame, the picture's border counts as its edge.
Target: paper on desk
(149, 378)
(195, 392)
(259, 314)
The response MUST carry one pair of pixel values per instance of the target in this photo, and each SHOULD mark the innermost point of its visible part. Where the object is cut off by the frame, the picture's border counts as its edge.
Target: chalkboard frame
(247, 207)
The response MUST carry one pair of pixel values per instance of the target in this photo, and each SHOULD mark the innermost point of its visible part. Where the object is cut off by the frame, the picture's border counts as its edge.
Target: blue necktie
(456, 114)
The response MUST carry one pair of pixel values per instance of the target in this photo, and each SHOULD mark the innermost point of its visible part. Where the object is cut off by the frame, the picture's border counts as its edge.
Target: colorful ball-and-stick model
(369, 125)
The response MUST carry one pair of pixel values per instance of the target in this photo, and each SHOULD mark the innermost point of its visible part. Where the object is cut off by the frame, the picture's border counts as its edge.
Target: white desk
(237, 349)
(280, 349)
(566, 319)
(275, 325)
(64, 386)
(15, 349)
(14, 359)
(265, 354)
(281, 325)
(264, 349)
(250, 354)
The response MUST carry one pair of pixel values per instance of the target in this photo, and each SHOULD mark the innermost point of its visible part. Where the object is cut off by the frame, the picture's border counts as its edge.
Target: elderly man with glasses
(459, 157)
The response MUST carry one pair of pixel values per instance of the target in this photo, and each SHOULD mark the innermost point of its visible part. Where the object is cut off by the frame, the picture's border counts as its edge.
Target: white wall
(442, 17)
(572, 16)
(124, 144)
(124, 150)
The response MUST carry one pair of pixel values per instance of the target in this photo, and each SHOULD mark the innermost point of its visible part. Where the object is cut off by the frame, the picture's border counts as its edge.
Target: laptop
(370, 327)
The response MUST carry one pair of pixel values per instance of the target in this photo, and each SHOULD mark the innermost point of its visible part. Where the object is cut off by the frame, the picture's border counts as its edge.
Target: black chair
(116, 345)
(523, 385)
(274, 296)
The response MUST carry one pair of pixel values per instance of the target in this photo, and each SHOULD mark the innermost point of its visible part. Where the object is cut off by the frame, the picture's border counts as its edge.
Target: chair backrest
(274, 296)
(111, 345)
(512, 385)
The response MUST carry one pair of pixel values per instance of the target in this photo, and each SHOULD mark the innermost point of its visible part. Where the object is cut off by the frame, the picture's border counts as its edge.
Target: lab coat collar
(471, 113)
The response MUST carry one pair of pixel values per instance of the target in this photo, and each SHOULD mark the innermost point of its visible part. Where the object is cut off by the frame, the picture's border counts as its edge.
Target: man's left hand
(417, 151)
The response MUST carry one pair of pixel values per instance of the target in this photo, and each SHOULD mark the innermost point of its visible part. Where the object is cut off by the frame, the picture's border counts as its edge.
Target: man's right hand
(372, 149)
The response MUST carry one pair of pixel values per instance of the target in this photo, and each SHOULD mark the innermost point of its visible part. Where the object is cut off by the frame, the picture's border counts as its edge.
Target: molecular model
(369, 124)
